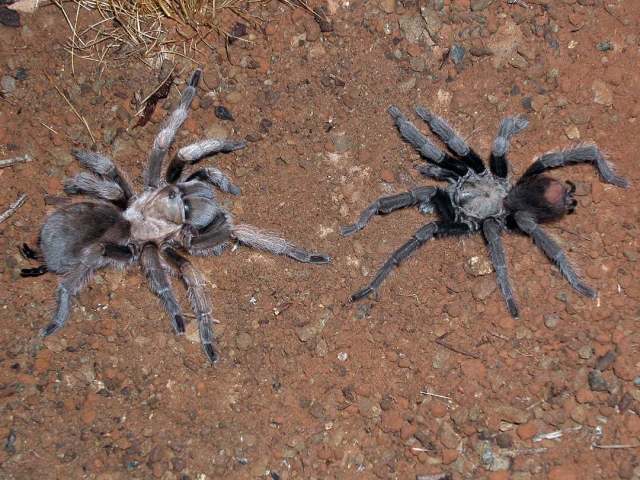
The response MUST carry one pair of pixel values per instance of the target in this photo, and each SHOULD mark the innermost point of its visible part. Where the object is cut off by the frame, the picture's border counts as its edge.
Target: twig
(523, 451)
(73, 109)
(437, 476)
(612, 447)
(12, 161)
(555, 434)
(449, 399)
(13, 207)
(440, 341)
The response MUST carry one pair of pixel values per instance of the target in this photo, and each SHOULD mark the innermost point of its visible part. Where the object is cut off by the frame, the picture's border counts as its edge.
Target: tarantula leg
(29, 253)
(160, 285)
(68, 287)
(216, 178)
(583, 154)
(424, 234)
(85, 183)
(200, 304)
(384, 205)
(213, 238)
(427, 149)
(491, 230)
(197, 151)
(436, 172)
(104, 166)
(255, 238)
(553, 251)
(34, 272)
(509, 126)
(165, 137)
(449, 136)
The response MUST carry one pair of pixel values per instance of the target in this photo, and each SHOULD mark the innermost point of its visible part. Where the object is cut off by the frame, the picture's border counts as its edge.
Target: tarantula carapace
(480, 200)
(174, 215)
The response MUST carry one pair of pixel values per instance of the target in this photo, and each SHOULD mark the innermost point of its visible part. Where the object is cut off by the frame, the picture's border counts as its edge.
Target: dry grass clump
(151, 30)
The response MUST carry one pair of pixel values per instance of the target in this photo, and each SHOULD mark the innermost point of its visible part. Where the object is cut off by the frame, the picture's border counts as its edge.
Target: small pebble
(223, 113)
(7, 84)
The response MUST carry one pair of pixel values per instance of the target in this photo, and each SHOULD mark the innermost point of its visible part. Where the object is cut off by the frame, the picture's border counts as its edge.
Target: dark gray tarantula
(480, 200)
(174, 215)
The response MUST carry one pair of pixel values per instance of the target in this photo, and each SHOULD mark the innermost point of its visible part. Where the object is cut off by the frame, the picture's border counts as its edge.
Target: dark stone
(223, 113)
(9, 18)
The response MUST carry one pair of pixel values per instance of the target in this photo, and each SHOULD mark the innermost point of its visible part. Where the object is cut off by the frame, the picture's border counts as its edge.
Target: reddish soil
(309, 385)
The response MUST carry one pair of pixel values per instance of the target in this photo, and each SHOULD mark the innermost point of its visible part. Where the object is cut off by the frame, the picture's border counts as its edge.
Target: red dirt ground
(310, 386)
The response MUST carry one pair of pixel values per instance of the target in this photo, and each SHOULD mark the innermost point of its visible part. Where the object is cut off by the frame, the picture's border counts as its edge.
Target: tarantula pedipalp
(174, 215)
(478, 199)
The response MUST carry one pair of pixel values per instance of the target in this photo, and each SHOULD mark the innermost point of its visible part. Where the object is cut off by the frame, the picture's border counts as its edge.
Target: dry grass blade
(73, 109)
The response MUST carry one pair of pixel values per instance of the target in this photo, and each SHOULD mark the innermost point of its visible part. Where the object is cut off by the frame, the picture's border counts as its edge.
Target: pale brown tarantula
(478, 200)
(172, 216)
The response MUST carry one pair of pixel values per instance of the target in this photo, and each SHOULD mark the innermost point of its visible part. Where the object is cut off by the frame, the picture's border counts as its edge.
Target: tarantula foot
(178, 324)
(319, 258)
(586, 290)
(513, 308)
(195, 78)
(619, 181)
(33, 272)
(360, 294)
(50, 329)
(348, 230)
(210, 352)
(308, 257)
(27, 252)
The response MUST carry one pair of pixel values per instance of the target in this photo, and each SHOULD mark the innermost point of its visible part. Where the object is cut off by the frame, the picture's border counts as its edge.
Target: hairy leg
(388, 204)
(105, 167)
(29, 253)
(85, 183)
(197, 151)
(491, 230)
(449, 136)
(216, 178)
(165, 137)
(92, 258)
(553, 251)
(209, 238)
(160, 285)
(34, 272)
(436, 172)
(198, 298)
(583, 154)
(509, 126)
(427, 149)
(424, 234)
(253, 237)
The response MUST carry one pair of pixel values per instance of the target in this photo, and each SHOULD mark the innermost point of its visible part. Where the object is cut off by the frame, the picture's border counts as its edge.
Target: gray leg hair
(86, 183)
(441, 128)
(553, 251)
(160, 285)
(216, 178)
(509, 126)
(105, 167)
(491, 230)
(412, 135)
(165, 137)
(582, 154)
(196, 291)
(270, 242)
(388, 204)
(197, 151)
